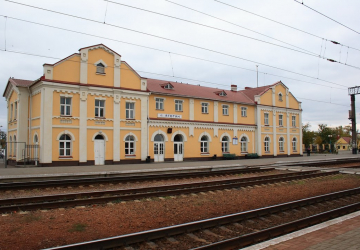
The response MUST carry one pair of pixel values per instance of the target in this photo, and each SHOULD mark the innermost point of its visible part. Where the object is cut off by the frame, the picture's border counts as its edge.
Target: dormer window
(280, 97)
(168, 86)
(221, 93)
(100, 68)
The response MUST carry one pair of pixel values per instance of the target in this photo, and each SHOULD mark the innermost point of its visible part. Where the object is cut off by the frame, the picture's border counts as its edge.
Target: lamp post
(330, 136)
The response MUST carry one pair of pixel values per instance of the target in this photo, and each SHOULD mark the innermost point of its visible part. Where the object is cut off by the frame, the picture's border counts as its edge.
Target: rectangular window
(99, 108)
(65, 105)
(225, 109)
(15, 114)
(204, 108)
(130, 110)
(178, 105)
(266, 118)
(159, 103)
(11, 111)
(293, 121)
(280, 120)
(243, 111)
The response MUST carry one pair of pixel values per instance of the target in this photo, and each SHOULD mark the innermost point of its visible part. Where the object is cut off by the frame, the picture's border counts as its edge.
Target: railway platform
(104, 170)
(342, 233)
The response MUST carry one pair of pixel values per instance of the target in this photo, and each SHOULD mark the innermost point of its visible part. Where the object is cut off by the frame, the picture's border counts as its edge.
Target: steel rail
(153, 234)
(126, 178)
(77, 199)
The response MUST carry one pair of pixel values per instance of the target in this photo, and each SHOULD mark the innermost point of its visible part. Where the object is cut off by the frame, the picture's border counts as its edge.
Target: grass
(78, 227)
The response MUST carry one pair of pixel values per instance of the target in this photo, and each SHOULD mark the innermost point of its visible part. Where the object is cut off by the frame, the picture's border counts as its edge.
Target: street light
(330, 142)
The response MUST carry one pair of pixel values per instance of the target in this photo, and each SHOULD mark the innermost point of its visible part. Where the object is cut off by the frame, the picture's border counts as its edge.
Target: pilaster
(274, 140)
(116, 128)
(117, 64)
(46, 125)
(300, 132)
(191, 109)
(235, 113)
(258, 131)
(84, 55)
(22, 121)
(144, 127)
(288, 140)
(216, 111)
(83, 126)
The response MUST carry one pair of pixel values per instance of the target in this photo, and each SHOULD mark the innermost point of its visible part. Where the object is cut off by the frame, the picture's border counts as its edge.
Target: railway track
(128, 178)
(238, 230)
(98, 197)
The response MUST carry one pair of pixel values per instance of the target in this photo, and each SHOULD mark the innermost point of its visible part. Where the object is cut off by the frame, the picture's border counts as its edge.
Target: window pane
(67, 151)
(67, 110)
(67, 144)
(96, 103)
(61, 152)
(62, 100)
(102, 103)
(61, 144)
(96, 112)
(62, 110)
(101, 112)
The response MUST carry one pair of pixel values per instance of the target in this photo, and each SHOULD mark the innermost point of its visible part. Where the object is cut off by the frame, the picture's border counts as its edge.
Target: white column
(144, 127)
(22, 121)
(274, 140)
(235, 113)
(258, 131)
(288, 141)
(84, 55)
(83, 126)
(116, 128)
(117, 64)
(216, 111)
(46, 125)
(191, 107)
(300, 131)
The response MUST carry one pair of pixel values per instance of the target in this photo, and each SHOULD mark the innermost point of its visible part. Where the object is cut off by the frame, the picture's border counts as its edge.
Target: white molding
(216, 110)
(102, 62)
(136, 139)
(205, 133)
(64, 117)
(100, 133)
(244, 135)
(159, 132)
(65, 132)
(225, 134)
(129, 120)
(179, 132)
(99, 119)
(131, 129)
(34, 127)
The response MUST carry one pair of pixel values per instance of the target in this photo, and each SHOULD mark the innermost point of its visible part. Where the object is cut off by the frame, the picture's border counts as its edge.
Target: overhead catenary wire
(183, 43)
(178, 54)
(50, 57)
(269, 19)
(219, 29)
(326, 16)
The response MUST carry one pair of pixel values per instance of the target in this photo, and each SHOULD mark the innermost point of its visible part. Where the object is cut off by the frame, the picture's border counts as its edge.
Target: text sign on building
(169, 116)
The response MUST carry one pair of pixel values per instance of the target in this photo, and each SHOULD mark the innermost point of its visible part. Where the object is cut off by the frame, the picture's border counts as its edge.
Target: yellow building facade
(92, 108)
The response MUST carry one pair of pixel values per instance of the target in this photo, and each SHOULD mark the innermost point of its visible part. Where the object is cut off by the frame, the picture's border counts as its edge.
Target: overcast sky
(150, 56)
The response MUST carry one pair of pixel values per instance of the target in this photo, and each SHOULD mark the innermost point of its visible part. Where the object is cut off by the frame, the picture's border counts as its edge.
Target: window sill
(244, 153)
(267, 152)
(244, 116)
(65, 157)
(226, 153)
(205, 153)
(205, 113)
(102, 74)
(294, 151)
(100, 117)
(130, 156)
(179, 111)
(266, 125)
(225, 115)
(130, 119)
(281, 151)
(160, 109)
(65, 115)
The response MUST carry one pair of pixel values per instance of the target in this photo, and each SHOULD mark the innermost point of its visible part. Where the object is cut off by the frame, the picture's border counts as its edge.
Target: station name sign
(169, 116)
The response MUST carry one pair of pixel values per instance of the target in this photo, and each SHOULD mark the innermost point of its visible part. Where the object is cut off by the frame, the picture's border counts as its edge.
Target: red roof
(347, 139)
(183, 89)
(20, 82)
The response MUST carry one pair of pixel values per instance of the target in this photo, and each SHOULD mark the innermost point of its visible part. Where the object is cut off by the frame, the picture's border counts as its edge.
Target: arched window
(204, 144)
(15, 145)
(65, 145)
(281, 144)
(159, 137)
(294, 144)
(244, 147)
(99, 137)
(280, 97)
(129, 145)
(267, 144)
(10, 146)
(36, 139)
(178, 137)
(100, 68)
(224, 144)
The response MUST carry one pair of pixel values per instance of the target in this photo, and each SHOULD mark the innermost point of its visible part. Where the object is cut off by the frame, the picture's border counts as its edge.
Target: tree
(308, 136)
(326, 134)
(2, 139)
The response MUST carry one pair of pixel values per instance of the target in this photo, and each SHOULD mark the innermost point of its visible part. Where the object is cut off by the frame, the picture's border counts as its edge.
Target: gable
(129, 78)
(67, 70)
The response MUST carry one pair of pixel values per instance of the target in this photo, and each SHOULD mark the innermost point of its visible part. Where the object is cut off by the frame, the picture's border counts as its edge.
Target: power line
(175, 41)
(284, 24)
(218, 29)
(174, 53)
(223, 20)
(327, 16)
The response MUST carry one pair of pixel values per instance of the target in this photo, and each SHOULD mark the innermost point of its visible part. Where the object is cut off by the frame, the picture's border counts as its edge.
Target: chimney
(233, 87)
(248, 88)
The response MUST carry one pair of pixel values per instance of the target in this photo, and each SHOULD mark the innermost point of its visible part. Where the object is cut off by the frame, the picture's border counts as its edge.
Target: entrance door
(178, 148)
(159, 148)
(99, 148)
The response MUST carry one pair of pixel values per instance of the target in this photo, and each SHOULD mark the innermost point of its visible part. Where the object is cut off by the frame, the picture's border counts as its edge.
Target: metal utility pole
(257, 76)
(352, 116)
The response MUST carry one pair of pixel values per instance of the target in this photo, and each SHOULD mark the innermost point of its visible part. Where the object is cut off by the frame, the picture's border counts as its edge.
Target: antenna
(257, 76)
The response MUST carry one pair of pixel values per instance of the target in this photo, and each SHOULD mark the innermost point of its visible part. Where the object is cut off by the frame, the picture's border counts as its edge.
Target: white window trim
(159, 132)
(163, 103)
(102, 62)
(66, 96)
(292, 145)
(205, 133)
(182, 105)
(133, 118)
(282, 120)
(268, 122)
(282, 97)
(241, 109)
(268, 142)
(135, 140)
(207, 104)
(283, 142)
(226, 107)
(226, 142)
(100, 133)
(292, 121)
(104, 113)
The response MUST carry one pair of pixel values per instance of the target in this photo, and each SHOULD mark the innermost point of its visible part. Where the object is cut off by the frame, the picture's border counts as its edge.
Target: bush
(252, 156)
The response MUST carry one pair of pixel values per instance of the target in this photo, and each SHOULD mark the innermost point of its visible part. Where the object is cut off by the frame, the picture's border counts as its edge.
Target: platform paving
(342, 233)
(148, 167)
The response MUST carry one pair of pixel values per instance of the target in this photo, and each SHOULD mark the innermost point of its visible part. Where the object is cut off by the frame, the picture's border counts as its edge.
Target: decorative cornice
(178, 124)
(99, 119)
(66, 117)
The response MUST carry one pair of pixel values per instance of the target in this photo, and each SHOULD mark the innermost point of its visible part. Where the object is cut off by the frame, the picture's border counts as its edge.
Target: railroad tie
(129, 248)
(264, 219)
(226, 229)
(238, 225)
(172, 240)
(152, 245)
(194, 237)
(208, 232)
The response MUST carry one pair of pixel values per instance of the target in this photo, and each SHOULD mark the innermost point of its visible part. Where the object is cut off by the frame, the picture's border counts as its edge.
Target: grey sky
(46, 41)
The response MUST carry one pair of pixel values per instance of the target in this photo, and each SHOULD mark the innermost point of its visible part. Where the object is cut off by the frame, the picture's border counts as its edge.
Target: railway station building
(93, 108)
